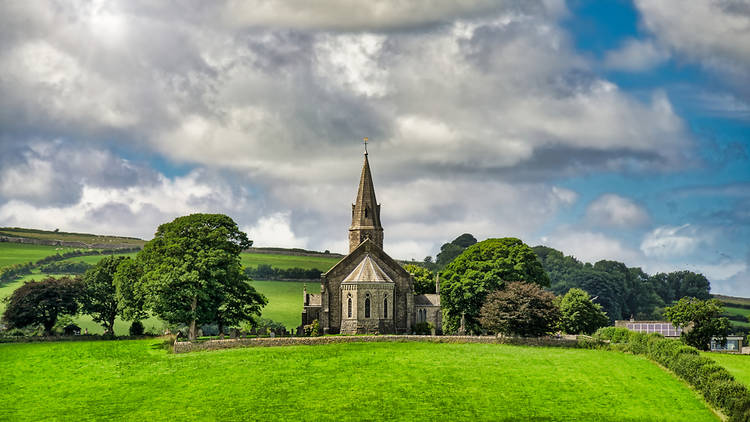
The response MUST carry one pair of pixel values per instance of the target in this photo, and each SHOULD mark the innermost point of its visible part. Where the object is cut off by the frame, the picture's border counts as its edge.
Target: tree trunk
(111, 326)
(221, 329)
(193, 334)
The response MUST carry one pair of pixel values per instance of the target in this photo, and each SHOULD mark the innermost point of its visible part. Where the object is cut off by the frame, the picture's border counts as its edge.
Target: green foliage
(423, 328)
(192, 272)
(449, 251)
(714, 382)
(129, 290)
(42, 302)
(578, 315)
(98, 295)
(481, 269)
(679, 284)
(522, 309)
(472, 382)
(312, 330)
(136, 328)
(267, 272)
(704, 315)
(65, 267)
(424, 279)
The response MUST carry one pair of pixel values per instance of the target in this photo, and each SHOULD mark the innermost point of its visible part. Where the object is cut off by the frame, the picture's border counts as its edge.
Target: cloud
(673, 242)
(611, 210)
(635, 56)
(275, 230)
(588, 246)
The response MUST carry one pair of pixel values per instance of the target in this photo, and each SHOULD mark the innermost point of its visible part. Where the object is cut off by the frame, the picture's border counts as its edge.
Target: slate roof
(368, 271)
(427, 300)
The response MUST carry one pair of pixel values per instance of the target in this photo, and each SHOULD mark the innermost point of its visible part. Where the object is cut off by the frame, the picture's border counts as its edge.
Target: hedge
(715, 383)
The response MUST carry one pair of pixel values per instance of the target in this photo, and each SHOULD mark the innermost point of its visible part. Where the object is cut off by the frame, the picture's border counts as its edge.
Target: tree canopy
(449, 251)
(424, 279)
(192, 272)
(42, 302)
(579, 315)
(99, 292)
(523, 309)
(481, 269)
(700, 320)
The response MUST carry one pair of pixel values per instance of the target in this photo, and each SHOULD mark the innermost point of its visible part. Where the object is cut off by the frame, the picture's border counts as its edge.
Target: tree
(465, 240)
(424, 279)
(449, 251)
(241, 303)
(192, 270)
(99, 292)
(522, 309)
(130, 293)
(481, 269)
(579, 315)
(703, 315)
(42, 302)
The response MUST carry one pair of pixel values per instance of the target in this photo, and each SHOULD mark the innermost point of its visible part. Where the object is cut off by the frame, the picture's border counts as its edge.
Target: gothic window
(349, 307)
(367, 305)
(385, 307)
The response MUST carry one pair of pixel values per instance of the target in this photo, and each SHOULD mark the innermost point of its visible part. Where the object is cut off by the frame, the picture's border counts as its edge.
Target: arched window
(349, 307)
(385, 307)
(367, 305)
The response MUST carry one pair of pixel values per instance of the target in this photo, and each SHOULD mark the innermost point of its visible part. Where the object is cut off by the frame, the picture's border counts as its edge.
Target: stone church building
(368, 291)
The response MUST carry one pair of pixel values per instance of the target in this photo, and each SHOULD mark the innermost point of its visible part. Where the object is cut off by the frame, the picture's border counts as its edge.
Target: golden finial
(365, 139)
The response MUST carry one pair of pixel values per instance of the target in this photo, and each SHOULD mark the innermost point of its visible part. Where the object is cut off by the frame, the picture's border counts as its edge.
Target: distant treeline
(267, 272)
(79, 267)
(13, 271)
(622, 291)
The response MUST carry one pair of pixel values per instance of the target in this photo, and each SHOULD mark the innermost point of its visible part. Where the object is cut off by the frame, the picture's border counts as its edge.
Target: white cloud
(591, 247)
(635, 56)
(611, 210)
(673, 242)
(275, 230)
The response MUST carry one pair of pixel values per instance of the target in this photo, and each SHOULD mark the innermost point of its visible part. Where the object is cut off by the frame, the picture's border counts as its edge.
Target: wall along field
(139, 380)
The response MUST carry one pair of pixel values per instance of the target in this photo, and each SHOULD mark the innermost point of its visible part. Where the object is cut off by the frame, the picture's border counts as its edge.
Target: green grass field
(138, 380)
(737, 365)
(19, 253)
(284, 300)
(288, 261)
(70, 237)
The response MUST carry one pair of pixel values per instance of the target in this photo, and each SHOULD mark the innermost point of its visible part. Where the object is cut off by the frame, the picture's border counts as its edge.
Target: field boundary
(186, 346)
(65, 243)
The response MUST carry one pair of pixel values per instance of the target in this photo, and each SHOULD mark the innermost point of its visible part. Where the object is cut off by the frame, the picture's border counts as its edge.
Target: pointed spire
(365, 212)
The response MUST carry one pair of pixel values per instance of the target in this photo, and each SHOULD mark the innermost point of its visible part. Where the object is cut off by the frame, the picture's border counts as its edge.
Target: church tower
(365, 213)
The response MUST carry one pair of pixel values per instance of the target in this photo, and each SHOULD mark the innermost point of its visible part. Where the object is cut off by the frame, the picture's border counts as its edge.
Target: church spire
(365, 212)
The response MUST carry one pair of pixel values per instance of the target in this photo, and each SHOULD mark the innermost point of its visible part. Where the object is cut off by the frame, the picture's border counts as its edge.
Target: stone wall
(185, 346)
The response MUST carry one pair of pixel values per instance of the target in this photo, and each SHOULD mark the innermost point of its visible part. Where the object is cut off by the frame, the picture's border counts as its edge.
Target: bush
(423, 328)
(312, 330)
(136, 328)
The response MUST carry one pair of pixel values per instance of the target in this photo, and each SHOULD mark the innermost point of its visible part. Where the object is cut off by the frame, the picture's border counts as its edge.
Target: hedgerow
(715, 383)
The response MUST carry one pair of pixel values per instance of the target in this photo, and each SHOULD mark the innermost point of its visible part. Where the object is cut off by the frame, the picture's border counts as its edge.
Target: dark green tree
(522, 309)
(192, 270)
(449, 251)
(424, 279)
(130, 294)
(99, 292)
(241, 304)
(42, 302)
(465, 240)
(579, 315)
(481, 269)
(700, 319)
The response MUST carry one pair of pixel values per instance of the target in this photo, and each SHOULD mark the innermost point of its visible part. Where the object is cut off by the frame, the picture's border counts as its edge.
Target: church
(368, 291)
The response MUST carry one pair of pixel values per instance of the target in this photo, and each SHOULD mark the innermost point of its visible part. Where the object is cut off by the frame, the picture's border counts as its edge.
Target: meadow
(284, 300)
(140, 380)
(737, 365)
(19, 253)
(289, 261)
(70, 237)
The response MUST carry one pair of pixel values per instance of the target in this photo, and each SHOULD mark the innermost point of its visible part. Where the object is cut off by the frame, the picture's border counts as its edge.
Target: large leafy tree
(449, 251)
(42, 302)
(424, 279)
(579, 315)
(99, 292)
(481, 269)
(522, 309)
(192, 270)
(129, 290)
(701, 320)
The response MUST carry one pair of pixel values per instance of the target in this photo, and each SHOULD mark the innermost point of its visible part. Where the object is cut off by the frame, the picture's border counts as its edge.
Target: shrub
(613, 334)
(423, 328)
(136, 328)
(312, 330)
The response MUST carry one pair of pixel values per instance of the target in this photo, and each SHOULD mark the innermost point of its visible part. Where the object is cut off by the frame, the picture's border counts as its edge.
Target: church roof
(366, 211)
(368, 271)
(427, 300)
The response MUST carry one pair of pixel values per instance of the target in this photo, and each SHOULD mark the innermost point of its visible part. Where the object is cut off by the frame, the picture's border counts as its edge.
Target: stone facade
(367, 291)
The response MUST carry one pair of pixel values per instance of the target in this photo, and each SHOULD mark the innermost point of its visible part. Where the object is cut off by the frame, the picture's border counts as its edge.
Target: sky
(605, 129)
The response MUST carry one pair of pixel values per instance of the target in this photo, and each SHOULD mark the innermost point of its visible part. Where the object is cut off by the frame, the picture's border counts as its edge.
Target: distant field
(729, 300)
(93, 259)
(70, 237)
(18, 253)
(288, 261)
(284, 300)
(138, 380)
(737, 311)
(737, 365)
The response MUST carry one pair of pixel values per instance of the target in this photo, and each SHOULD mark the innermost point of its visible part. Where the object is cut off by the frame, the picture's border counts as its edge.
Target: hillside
(78, 240)
(138, 380)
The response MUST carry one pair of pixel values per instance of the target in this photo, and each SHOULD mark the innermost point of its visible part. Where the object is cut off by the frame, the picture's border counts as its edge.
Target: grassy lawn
(19, 253)
(136, 380)
(284, 300)
(737, 365)
(288, 261)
